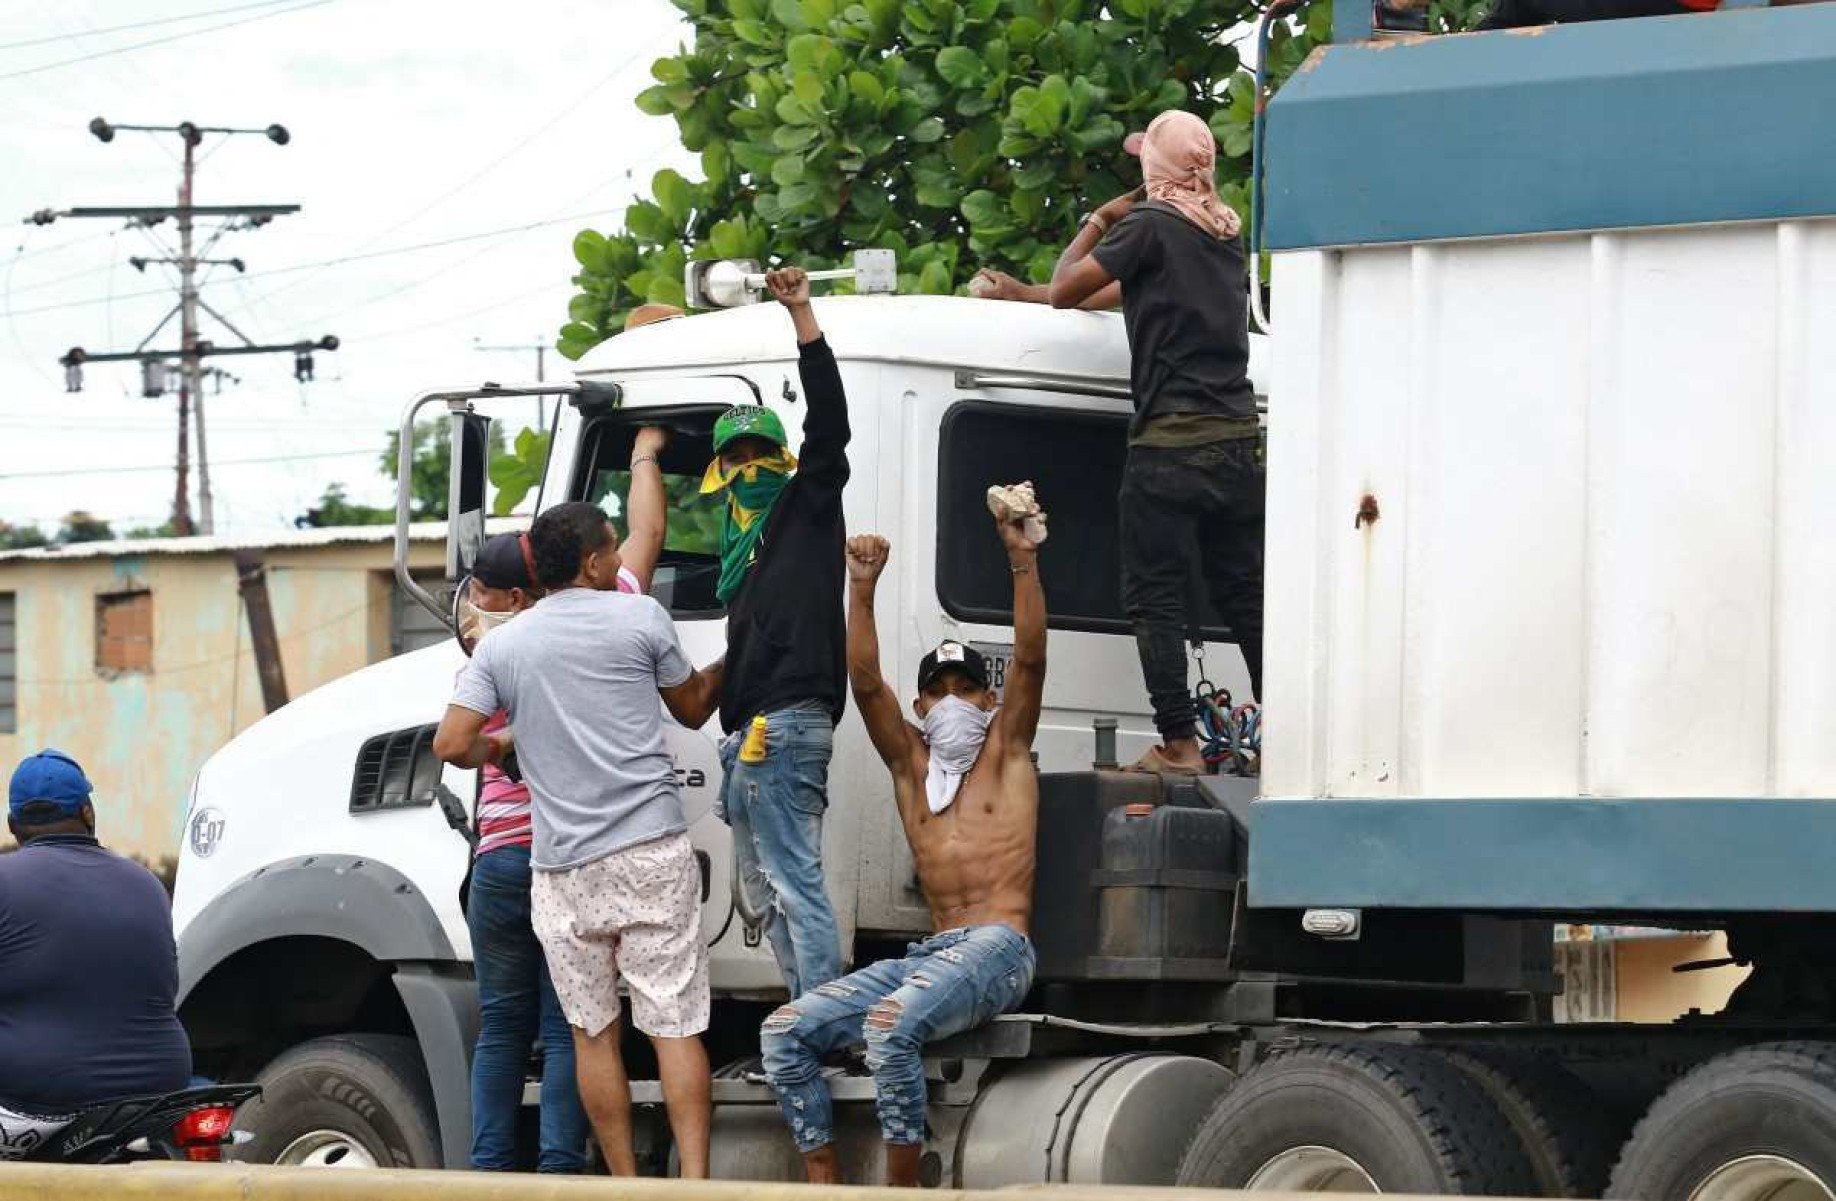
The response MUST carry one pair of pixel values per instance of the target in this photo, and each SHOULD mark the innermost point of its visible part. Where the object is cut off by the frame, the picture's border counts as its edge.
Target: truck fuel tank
(1121, 1119)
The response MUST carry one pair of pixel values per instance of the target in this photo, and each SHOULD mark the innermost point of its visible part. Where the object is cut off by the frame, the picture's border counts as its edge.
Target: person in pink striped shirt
(516, 999)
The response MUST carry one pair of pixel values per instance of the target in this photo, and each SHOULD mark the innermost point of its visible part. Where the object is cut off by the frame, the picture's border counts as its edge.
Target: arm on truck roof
(998, 285)
(1079, 275)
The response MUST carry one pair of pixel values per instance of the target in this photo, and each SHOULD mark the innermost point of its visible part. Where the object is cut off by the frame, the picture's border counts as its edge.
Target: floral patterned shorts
(633, 915)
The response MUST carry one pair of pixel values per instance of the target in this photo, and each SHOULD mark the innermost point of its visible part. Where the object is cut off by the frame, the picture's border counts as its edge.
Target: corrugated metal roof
(420, 531)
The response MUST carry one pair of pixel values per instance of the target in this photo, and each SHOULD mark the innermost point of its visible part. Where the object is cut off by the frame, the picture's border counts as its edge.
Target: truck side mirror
(465, 507)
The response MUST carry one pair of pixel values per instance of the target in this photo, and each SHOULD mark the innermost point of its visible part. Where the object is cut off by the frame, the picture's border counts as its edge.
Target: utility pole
(192, 348)
(541, 352)
(190, 377)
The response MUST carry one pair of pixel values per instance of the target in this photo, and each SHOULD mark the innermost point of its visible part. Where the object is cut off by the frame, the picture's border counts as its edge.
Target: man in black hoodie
(782, 543)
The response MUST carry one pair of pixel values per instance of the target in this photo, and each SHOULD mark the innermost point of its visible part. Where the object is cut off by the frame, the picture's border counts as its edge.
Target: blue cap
(49, 778)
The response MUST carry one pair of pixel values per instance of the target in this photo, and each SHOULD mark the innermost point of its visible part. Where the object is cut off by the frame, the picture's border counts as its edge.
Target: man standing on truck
(968, 796)
(781, 579)
(615, 890)
(516, 998)
(1194, 476)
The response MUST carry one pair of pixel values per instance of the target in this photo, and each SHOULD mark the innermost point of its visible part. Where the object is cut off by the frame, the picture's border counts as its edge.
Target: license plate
(1000, 657)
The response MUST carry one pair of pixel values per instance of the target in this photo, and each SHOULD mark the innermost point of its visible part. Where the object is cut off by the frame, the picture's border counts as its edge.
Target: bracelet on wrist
(645, 459)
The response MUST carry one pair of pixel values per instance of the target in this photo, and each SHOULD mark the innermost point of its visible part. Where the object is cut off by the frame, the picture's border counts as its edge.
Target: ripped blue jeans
(950, 982)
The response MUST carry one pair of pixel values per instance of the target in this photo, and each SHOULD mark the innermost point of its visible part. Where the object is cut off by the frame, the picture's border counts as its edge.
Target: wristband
(1018, 568)
(1097, 219)
(645, 459)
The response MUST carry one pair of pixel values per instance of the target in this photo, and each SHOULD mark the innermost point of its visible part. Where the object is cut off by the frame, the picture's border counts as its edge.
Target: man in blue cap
(88, 969)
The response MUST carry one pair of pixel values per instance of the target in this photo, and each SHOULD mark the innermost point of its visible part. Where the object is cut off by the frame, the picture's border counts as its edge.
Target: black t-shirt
(1185, 301)
(88, 979)
(786, 630)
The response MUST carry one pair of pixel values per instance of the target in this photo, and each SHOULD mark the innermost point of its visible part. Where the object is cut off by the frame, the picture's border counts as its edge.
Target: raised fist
(867, 555)
(789, 286)
(650, 441)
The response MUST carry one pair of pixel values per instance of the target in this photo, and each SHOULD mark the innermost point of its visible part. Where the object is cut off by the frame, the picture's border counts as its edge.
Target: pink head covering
(1179, 163)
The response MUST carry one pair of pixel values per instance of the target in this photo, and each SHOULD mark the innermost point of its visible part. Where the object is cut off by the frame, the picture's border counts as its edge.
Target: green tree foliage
(518, 472)
(80, 525)
(21, 537)
(337, 509)
(694, 518)
(513, 470)
(959, 133)
(430, 471)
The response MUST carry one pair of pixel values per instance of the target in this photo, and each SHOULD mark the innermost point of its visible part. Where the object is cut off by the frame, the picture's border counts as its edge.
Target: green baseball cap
(748, 421)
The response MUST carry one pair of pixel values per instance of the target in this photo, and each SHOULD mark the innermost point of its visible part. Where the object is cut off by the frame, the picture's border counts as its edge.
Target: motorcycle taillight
(203, 1133)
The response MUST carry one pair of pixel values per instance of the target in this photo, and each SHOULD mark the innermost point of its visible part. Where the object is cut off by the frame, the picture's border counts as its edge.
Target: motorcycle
(193, 1124)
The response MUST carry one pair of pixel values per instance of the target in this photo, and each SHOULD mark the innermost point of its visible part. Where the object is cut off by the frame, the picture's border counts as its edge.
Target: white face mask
(475, 623)
(955, 730)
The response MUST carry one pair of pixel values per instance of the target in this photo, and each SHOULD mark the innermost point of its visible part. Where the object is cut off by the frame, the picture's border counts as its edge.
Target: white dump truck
(1548, 639)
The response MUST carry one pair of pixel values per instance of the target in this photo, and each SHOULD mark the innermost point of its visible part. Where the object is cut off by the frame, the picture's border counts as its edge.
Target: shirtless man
(969, 799)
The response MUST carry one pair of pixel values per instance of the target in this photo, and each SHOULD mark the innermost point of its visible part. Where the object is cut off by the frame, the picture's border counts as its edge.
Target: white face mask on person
(475, 623)
(955, 730)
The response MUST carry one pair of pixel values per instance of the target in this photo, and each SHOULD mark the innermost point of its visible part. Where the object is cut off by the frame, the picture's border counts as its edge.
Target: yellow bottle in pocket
(753, 749)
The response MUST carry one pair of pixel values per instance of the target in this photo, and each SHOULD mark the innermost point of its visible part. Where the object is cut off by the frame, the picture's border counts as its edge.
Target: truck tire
(1568, 1135)
(1755, 1123)
(1342, 1118)
(349, 1101)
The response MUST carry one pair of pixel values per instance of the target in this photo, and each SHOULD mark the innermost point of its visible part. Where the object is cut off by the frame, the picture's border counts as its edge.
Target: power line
(84, 33)
(83, 58)
(323, 454)
(523, 142)
(21, 254)
(505, 302)
(505, 231)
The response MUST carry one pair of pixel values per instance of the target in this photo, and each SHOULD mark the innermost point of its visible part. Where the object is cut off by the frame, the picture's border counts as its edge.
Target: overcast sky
(412, 123)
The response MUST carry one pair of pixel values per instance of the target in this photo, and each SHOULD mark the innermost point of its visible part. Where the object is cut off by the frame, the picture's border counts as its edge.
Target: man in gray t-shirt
(616, 891)
(579, 676)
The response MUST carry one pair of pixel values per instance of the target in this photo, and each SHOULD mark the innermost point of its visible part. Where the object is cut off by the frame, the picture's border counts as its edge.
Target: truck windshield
(689, 568)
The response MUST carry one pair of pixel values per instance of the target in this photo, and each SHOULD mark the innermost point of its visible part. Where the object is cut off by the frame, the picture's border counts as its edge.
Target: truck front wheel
(1355, 1119)
(350, 1101)
(1758, 1124)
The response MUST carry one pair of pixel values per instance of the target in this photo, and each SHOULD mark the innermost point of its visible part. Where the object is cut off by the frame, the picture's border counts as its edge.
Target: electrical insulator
(302, 368)
(73, 377)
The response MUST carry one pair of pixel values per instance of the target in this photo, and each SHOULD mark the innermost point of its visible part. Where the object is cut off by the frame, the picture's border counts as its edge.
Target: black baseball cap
(948, 654)
(505, 561)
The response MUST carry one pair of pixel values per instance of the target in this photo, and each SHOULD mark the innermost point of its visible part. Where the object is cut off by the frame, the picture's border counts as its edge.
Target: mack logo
(206, 832)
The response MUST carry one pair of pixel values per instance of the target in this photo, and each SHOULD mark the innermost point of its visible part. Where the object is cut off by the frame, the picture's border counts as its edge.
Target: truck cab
(321, 872)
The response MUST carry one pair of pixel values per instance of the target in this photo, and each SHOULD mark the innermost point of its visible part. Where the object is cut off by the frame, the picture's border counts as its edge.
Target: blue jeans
(950, 982)
(514, 998)
(775, 810)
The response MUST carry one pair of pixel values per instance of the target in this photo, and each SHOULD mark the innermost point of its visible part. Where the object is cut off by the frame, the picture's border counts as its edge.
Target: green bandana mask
(751, 493)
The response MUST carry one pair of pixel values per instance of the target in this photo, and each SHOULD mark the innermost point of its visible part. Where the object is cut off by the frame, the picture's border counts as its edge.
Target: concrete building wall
(143, 735)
